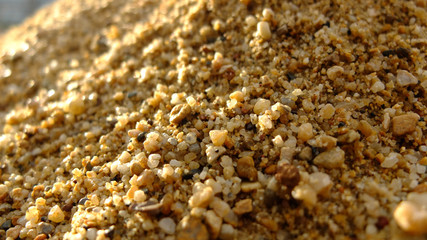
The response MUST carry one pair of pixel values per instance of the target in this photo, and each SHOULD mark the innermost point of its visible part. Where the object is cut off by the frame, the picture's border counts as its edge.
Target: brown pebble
(40, 237)
(243, 206)
(246, 169)
(271, 169)
(404, 124)
(287, 175)
(191, 228)
(179, 112)
(136, 168)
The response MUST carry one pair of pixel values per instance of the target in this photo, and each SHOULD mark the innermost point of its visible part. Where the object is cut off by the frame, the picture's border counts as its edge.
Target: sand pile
(215, 119)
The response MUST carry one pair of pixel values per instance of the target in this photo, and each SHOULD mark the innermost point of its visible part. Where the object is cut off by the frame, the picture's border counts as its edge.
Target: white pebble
(153, 160)
(390, 160)
(167, 225)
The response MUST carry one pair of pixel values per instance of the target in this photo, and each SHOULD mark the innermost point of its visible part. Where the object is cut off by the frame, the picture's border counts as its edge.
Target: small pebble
(214, 223)
(56, 215)
(264, 30)
(218, 137)
(333, 158)
(243, 206)
(405, 78)
(305, 132)
(287, 175)
(404, 124)
(75, 105)
(246, 168)
(167, 225)
(154, 160)
(192, 228)
(261, 106)
(179, 112)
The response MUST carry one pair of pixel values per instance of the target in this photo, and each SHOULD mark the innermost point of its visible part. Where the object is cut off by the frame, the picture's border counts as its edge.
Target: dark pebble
(141, 137)
(6, 225)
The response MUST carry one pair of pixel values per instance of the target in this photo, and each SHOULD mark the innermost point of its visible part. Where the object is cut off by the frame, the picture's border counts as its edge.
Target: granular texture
(208, 119)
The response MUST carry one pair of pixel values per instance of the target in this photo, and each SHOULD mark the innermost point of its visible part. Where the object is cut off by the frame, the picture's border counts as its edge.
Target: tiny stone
(243, 206)
(153, 160)
(218, 137)
(264, 30)
(167, 225)
(245, 168)
(75, 105)
(404, 124)
(261, 106)
(237, 95)
(377, 86)
(214, 223)
(287, 175)
(333, 158)
(192, 228)
(411, 215)
(202, 198)
(405, 78)
(136, 168)
(334, 72)
(305, 132)
(390, 160)
(179, 112)
(139, 196)
(56, 215)
(125, 157)
(327, 112)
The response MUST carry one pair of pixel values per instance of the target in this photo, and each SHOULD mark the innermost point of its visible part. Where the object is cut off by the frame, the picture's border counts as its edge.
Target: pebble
(192, 228)
(40, 237)
(91, 233)
(136, 168)
(56, 215)
(305, 132)
(13, 233)
(334, 72)
(220, 207)
(213, 152)
(264, 30)
(390, 160)
(405, 78)
(167, 225)
(139, 196)
(333, 158)
(377, 87)
(218, 137)
(243, 206)
(305, 193)
(227, 232)
(202, 198)
(404, 124)
(327, 111)
(250, 186)
(411, 215)
(287, 175)
(125, 157)
(75, 105)
(238, 96)
(179, 112)
(154, 160)
(45, 228)
(214, 223)
(320, 182)
(261, 106)
(246, 168)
